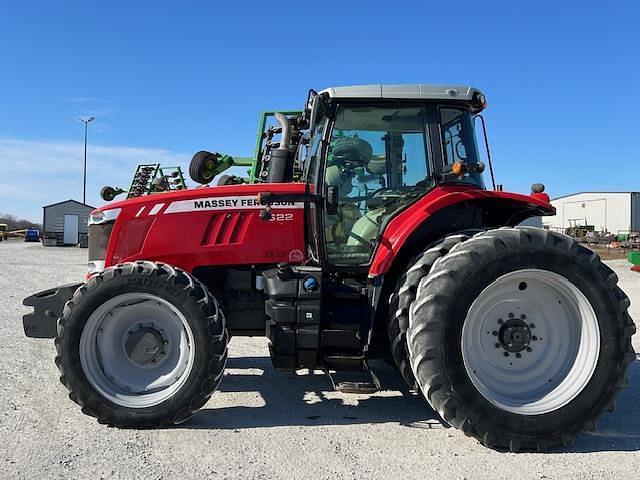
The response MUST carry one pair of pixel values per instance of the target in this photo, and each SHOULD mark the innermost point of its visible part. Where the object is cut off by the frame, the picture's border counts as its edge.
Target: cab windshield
(378, 159)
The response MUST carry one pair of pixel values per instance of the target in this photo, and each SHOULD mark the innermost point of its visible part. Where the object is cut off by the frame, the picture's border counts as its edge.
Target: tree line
(15, 223)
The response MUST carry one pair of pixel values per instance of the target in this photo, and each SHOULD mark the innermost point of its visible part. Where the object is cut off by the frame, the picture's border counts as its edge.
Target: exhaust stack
(281, 162)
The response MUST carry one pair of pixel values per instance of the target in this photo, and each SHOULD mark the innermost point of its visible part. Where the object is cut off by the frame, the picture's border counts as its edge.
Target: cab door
(315, 184)
(369, 162)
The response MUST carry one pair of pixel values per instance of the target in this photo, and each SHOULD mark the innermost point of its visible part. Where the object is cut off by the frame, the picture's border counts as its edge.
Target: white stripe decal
(225, 203)
(140, 212)
(156, 208)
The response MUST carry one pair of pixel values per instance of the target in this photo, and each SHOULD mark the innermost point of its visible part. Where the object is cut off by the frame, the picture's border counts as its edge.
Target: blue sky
(165, 79)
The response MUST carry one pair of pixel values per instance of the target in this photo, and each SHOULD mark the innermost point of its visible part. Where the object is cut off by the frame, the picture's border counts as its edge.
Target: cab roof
(418, 91)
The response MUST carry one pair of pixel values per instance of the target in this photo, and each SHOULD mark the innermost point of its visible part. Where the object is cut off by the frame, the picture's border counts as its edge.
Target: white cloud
(87, 100)
(98, 112)
(93, 107)
(39, 172)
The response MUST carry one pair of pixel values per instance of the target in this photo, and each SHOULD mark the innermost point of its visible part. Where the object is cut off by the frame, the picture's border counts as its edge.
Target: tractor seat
(366, 229)
(360, 241)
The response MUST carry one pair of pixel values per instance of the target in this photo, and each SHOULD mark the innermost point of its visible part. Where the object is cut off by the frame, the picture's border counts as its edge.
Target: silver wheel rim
(148, 373)
(530, 342)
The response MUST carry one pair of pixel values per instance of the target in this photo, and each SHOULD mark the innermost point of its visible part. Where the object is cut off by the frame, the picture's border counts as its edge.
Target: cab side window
(378, 161)
(459, 141)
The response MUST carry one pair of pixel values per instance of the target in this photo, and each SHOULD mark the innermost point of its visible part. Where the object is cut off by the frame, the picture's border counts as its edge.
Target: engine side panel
(209, 226)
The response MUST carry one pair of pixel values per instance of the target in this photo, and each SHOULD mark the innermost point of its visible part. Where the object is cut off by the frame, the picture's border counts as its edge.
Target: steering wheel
(381, 195)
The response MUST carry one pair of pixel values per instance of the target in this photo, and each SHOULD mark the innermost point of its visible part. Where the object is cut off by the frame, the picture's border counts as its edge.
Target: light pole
(86, 128)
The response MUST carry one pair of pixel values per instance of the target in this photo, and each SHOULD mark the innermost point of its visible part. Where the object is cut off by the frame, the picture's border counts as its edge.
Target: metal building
(65, 223)
(612, 212)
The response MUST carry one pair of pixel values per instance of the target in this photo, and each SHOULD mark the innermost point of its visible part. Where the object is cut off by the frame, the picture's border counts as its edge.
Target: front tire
(141, 345)
(520, 338)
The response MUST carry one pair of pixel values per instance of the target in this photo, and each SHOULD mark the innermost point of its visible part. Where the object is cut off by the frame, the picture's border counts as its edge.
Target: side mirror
(312, 105)
(308, 107)
(332, 200)
(318, 106)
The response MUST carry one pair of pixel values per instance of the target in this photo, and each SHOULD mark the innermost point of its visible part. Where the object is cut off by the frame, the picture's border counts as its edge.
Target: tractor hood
(202, 226)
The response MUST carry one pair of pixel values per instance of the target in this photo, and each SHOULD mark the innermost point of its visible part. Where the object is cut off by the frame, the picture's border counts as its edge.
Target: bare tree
(15, 223)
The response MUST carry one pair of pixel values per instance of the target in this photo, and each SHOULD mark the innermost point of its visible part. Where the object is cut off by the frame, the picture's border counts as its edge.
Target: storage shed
(612, 212)
(66, 222)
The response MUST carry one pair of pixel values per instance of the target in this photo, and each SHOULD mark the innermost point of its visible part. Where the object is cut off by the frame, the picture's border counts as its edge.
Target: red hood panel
(209, 226)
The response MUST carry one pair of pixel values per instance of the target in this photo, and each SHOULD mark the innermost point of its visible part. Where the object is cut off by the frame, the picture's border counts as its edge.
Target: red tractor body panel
(400, 227)
(208, 226)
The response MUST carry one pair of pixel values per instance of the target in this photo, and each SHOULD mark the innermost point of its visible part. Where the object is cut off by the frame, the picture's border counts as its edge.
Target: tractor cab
(375, 152)
(370, 155)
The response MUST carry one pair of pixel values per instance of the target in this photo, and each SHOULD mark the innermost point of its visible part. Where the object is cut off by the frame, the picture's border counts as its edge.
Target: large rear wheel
(141, 345)
(520, 338)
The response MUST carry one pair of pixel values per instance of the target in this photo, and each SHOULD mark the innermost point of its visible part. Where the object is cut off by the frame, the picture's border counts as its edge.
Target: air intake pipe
(281, 162)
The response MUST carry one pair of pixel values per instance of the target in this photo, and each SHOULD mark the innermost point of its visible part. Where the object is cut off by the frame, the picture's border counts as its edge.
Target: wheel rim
(530, 342)
(208, 170)
(137, 350)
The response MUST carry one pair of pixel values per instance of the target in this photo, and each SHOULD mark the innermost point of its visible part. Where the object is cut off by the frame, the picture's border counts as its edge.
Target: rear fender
(444, 211)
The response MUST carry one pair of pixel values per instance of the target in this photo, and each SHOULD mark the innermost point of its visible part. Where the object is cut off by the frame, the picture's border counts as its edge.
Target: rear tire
(132, 384)
(492, 399)
(405, 294)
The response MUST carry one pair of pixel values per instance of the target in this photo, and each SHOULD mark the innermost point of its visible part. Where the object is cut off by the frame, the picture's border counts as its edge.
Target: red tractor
(365, 229)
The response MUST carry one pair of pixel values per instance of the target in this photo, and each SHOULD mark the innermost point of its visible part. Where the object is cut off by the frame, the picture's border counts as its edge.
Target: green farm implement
(206, 166)
(634, 260)
(148, 179)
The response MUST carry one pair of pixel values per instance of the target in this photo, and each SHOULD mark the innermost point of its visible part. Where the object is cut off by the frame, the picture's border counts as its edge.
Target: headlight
(103, 216)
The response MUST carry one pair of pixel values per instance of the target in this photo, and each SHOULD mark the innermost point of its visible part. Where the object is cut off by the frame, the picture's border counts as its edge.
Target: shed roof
(580, 193)
(67, 201)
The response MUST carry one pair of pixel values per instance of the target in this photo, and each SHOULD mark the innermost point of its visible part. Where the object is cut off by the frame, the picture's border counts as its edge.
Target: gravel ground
(262, 423)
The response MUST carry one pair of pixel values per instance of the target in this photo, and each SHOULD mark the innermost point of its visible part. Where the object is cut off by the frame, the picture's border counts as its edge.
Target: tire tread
(428, 369)
(218, 339)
